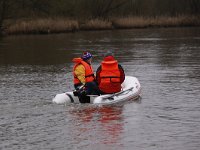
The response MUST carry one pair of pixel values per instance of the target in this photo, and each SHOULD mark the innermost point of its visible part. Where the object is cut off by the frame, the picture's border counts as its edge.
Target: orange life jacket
(89, 74)
(110, 77)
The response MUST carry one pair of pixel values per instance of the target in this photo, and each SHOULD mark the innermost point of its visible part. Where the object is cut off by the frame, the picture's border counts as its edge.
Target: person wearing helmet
(110, 75)
(84, 76)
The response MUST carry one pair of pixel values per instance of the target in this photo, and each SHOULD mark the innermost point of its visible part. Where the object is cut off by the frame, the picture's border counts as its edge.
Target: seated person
(84, 75)
(110, 75)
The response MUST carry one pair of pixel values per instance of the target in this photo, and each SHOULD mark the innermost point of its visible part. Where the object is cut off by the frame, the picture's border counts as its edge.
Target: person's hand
(81, 86)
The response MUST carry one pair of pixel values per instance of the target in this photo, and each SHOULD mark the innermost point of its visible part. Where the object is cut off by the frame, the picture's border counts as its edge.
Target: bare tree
(2, 13)
(101, 8)
(195, 6)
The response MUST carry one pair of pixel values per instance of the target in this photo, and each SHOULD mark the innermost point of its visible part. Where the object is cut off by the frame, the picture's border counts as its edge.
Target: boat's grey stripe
(110, 97)
(71, 98)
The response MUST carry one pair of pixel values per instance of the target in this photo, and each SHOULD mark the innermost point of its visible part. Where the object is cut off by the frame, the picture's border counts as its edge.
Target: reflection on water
(34, 68)
(102, 126)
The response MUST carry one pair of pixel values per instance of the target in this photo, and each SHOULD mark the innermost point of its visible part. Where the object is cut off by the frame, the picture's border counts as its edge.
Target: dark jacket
(111, 87)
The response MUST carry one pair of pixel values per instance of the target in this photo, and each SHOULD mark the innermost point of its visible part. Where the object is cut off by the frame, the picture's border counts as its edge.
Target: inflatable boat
(131, 90)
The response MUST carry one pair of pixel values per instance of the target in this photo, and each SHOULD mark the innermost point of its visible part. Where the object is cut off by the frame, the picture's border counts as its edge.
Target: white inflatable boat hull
(131, 90)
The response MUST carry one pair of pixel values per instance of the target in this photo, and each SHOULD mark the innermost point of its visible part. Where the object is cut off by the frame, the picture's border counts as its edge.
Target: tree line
(90, 9)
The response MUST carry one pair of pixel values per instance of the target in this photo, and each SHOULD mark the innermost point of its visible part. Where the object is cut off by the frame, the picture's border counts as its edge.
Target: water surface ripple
(34, 68)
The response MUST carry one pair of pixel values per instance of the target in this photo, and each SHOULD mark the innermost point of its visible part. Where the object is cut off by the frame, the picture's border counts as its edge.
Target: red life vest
(89, 74)
(109, 77)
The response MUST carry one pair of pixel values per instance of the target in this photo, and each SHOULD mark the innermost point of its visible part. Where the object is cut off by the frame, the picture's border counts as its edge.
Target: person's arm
(98, 74)
(80, 73)
(122, 74)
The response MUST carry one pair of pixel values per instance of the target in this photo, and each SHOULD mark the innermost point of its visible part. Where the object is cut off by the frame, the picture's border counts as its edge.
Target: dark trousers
(91, 88)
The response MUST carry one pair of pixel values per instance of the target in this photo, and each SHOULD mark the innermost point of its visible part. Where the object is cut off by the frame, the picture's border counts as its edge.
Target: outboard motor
(80, 91)
(82, 94)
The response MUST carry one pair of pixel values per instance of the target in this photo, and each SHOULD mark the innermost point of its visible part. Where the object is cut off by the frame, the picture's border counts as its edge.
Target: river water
(34, 68)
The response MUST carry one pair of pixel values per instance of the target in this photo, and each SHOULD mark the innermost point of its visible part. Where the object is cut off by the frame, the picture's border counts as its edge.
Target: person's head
(87, 57)
(108, 56)
(108, 53)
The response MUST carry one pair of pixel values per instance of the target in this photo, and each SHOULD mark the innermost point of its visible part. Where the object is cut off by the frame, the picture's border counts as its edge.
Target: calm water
(34, 68)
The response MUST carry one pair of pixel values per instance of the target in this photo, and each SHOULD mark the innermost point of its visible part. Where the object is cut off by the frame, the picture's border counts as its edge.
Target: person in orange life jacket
(84, 75)
(110, 75)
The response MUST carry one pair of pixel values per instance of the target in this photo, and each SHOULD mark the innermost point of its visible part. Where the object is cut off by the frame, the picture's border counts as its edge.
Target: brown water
(166, 62)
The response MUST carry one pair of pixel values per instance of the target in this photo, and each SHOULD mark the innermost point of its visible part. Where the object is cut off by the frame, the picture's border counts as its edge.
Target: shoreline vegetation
(61, 16)
(63, 25)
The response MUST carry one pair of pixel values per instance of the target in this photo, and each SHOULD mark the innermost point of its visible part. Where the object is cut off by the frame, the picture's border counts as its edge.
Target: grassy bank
(40, 26)
(61, 25)
(142, 22)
